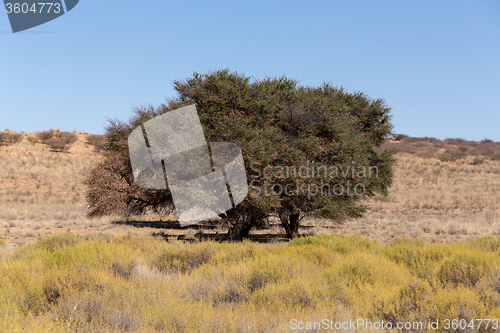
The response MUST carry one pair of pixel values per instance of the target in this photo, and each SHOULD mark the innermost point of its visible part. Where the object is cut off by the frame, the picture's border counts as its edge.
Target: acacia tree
(281, 128)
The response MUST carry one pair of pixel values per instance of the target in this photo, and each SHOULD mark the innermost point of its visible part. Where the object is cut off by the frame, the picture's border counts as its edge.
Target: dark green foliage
(276, 123)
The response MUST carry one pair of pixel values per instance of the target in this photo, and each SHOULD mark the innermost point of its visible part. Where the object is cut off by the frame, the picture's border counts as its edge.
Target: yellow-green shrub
(182, 257)
(343, 245)
(116, 284)
(465, 268)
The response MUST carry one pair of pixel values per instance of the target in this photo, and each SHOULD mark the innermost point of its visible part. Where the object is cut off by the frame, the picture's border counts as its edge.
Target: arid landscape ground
(435, 198)
(427, 252)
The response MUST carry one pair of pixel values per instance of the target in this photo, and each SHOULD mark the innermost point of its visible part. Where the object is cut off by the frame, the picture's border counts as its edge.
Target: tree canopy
(307, 150)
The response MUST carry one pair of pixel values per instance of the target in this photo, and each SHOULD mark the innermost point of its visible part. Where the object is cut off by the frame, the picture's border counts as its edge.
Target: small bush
(9, 138)
(409, 139)
(57, 140)
(477, 160)
(123, 270)
(97, 140)
(46, 135)
(451, 155)
(32, 139)
(399, 137)
(431, 140)
(66, 137)
(60, 240)
(464, 270)
(56, 144)
(455, 142)
(184, 258)
(495, 156)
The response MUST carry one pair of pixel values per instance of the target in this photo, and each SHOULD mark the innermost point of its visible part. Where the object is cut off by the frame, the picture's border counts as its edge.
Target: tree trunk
(240, 229)
(291, 224)
(240, 226)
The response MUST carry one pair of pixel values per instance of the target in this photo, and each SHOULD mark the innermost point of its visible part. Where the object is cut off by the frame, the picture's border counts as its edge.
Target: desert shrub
(46, 135)
(455, 141)
(184, 258)
(399, 137)
(275, 122)
(495, 156)
(56, 144)
(465, 269)
(296, 293)
(33, 139)
(430, 139)
(97, 140)
(426, 153)
(3, 138)
(399, 147)
(451, 155)
(111, 189)
(16, 137)
(426, 147)
(342, 245)
(57, 140)
(123, 270)
(10, 138)
(477, 160)
(488, 149)
(67, 137)
(487, 141)
(410, 139)
(420, 258)
(58, 241)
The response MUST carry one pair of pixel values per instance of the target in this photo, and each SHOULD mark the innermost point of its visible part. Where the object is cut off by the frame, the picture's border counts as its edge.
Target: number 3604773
(36, 8)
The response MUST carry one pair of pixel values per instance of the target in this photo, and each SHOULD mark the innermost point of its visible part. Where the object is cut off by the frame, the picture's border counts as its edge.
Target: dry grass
(448, 150)
(437, 201)
(39, 184)
(42, 191)
(433, 200)
(428, 184)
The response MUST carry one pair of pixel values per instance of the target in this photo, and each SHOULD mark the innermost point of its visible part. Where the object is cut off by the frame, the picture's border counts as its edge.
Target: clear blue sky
(436, 63)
